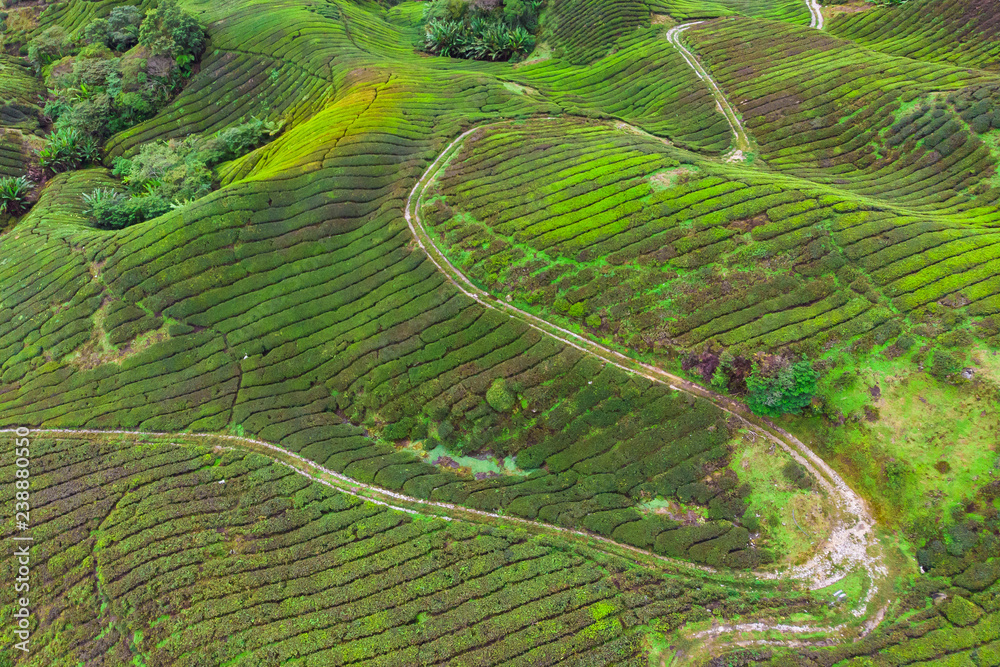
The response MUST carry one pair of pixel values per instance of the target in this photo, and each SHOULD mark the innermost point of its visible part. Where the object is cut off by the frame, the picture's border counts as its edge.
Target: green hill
(542, 290)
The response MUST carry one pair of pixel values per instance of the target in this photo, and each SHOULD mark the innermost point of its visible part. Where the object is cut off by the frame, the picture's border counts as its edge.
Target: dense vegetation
(172, 554)
(482, 29)
(167, 175)
(123, 70)
(202, 229)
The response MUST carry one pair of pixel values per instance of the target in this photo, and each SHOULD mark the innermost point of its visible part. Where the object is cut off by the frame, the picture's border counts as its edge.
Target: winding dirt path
(816, 11)
(450, 512)
(386, 497)
(741, 140)
(851, 544)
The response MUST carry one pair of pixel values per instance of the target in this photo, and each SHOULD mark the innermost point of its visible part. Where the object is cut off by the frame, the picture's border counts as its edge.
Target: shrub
(90, 117)
(944, 365)
(65, 149)
(720, 380)
(131, 108)
(522, 12)
(797, 475)
(238, 140)
(109, 209)
(786, 389)
(168, 31)
(896, 473)
(456, 8)
(100, 199)
(499, 397)
(14, 191)
(50, 45)
(171, 169)
(119, 32)
(55, 108)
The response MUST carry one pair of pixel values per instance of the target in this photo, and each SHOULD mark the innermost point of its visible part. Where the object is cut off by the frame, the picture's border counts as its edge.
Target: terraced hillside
(348, 329)
(493, 294)
(965, 33)
(778, 10)
(179, 554)
(660, 253)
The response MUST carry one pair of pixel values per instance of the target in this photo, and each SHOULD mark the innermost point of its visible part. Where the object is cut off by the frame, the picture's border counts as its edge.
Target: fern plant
(14, 191)
(66, 149)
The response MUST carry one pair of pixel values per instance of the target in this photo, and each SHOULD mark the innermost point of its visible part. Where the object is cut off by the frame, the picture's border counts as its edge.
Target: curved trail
(449, 512)
(852, 533)
(385, 497)
(741, 141)
(816, 12)
(852, 536)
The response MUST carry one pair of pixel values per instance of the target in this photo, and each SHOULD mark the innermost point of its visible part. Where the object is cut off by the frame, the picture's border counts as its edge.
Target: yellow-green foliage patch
(793, 521)
(920, 445)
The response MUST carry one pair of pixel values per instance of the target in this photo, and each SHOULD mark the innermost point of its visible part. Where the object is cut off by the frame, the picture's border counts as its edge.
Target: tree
(779, 388)
(48, 46)
(515, 11)
(119, 32)
(168, 31)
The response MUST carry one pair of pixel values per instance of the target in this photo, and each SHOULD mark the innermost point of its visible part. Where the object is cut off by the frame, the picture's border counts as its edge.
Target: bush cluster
(14, 191)
(482, 29)
(778, 386)
(67, 148)
(124, 70)
(168, 174)
(119, 32)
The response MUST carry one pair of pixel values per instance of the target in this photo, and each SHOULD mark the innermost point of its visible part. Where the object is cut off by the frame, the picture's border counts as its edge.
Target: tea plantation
(173, 554)
(527, 319)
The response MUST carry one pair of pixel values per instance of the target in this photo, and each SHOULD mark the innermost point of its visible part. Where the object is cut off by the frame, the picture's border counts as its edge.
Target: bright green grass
(921, 422)
(774, 500)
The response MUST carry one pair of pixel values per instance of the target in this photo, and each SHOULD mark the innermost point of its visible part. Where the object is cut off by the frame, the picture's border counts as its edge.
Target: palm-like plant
(66, 149)
(99, 199)
(520, 41)
(14, 191)
(482, 37)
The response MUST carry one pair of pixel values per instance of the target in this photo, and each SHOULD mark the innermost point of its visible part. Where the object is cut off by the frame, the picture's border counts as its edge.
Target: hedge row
(186, 555)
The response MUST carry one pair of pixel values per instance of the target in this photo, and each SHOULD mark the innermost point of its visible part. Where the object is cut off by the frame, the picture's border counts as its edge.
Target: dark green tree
(168, 31)
(784, 388)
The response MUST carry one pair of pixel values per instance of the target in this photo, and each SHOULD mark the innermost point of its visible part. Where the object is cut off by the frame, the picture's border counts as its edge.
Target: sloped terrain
(965, 33)
(744, 187)
(179, 554)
